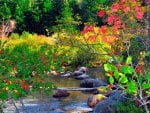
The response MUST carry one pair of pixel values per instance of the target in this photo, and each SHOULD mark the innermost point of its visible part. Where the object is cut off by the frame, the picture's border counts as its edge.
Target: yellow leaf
(148, 92)
(100, 97)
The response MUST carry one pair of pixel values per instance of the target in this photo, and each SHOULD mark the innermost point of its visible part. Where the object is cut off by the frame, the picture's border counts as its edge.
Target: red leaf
(22, 82)
(101, 13)
(126, 9)
(137, 8)
(92, 38)
(103, 29)
(122, 1)
(88, 29)
(111, 73)
(1, 51)
(118, 24)
(25, 87)
(115, 29)
(139, 15)
(115, 7)
(138, 68)
(131, 1)
(110, 19)
(8, 82)
(122, 6)
(110, 86)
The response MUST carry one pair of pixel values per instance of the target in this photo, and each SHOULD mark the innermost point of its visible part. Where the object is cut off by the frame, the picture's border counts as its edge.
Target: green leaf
(3, 95)
(148, 76)
(123, 79)
(109, 67)
(102, 1)
(47, 5)
(121, 74)
(129, 60)
(145, 85)
(15, 96)
(126, 70)
(147, 54)
(132, 87)
(0, 43)
(111, 79)
(116, 74)
(120, 59)
(140, 78)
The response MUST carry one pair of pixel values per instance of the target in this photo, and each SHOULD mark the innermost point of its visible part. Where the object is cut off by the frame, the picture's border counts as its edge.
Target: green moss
(128, 107)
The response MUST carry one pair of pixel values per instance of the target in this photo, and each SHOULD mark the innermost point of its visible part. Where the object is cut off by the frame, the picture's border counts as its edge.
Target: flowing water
(77, 101)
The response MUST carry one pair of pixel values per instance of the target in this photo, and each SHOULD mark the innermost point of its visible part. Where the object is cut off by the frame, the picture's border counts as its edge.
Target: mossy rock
(128, 107)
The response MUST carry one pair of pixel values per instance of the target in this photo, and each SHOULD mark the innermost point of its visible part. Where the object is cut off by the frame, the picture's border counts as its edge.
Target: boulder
(80, 73)
(109, 105)
(57, 111)
(78, 111)
(89, 83)
(117, 95)
(82, 76)
(93, 100)
(67, 74)
(61, 93)
(77, 73)
(98, 82)
(55, 73)
(83, 69)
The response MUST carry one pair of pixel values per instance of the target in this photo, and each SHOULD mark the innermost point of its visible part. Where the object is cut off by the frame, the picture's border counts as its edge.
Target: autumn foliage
(132, 11)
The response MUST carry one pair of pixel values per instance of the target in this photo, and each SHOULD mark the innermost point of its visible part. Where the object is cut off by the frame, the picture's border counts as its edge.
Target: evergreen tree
(67, 20)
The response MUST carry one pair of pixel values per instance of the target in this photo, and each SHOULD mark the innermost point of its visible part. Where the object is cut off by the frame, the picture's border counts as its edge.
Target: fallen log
(78, 88)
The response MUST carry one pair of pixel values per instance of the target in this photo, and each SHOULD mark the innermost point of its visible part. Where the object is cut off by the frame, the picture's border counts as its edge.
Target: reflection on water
(71, 82)
(65, 82)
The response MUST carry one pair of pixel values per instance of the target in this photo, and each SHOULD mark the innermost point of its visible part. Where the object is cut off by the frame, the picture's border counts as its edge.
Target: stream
(75, 103)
